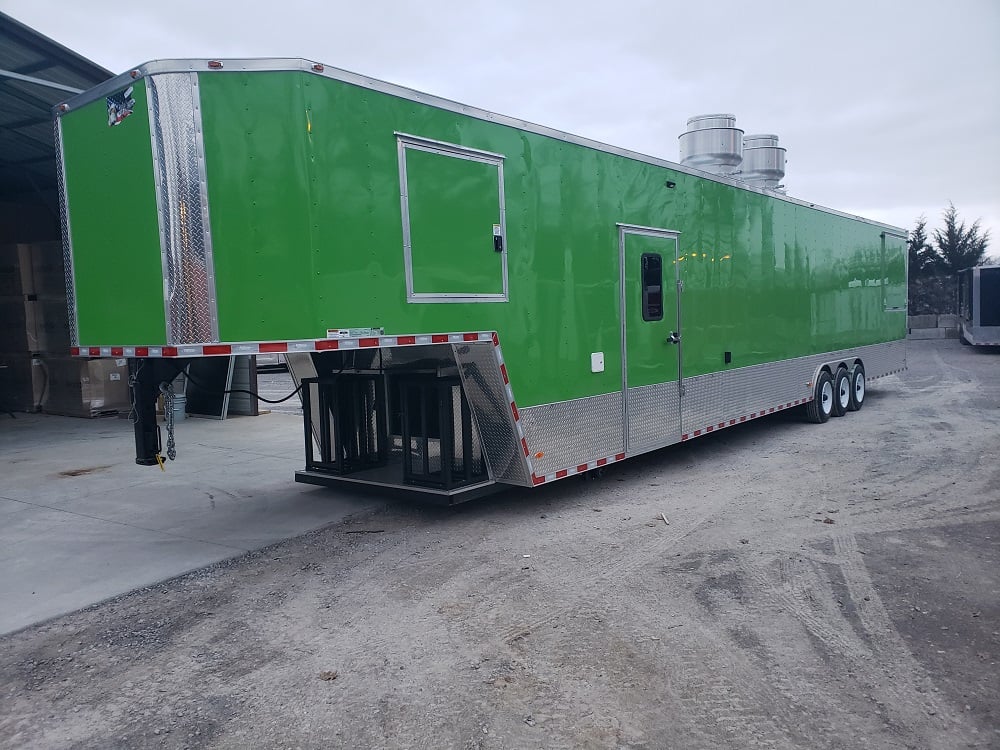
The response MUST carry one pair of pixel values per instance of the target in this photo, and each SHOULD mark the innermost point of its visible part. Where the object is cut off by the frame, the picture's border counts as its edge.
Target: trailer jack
(147, 379)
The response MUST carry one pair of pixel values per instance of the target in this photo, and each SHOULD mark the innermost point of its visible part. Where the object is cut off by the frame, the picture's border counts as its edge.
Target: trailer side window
(454, 222)
(652, 286)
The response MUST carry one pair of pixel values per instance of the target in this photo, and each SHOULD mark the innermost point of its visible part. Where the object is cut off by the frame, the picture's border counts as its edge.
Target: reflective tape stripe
(282, 347)
(574, 470)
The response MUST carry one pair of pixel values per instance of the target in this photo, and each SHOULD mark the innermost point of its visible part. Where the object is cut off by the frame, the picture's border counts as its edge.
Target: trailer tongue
(467, 300)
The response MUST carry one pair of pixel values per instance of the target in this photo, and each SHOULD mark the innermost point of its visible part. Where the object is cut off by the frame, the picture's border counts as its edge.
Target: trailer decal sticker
(120, 106)
(353, 333)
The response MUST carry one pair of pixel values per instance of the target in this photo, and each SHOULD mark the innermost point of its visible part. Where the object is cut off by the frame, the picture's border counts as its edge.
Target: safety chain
(167, 389)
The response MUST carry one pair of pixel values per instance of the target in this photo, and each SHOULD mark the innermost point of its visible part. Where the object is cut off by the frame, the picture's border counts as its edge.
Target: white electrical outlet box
(597, 362)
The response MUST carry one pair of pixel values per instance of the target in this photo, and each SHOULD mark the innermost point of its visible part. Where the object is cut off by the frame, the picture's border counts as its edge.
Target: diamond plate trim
(883, 359)
(654, 416)
(749, 391)
(67, 242)
(479, 366)
(568, 433)
(182, 205)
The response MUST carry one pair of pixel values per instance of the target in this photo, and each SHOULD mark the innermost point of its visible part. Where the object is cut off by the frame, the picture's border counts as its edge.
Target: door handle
(673, 338)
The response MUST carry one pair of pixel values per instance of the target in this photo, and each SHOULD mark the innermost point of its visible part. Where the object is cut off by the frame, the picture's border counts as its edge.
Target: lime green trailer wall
(295, 202)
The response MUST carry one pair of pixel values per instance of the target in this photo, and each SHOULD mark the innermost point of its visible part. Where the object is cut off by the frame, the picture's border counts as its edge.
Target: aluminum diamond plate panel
(74, 331)
(654, 417)
(569, 433)
(487, 394)
(883, 359)
(748, 390)
(182, 204)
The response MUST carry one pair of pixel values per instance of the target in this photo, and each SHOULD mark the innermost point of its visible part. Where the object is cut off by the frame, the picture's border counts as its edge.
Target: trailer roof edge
(289, 64)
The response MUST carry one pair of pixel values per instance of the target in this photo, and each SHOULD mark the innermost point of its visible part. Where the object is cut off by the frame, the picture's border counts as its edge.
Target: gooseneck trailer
(468, 299)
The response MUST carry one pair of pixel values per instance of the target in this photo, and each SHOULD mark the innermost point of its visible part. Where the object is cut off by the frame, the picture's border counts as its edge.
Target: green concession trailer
(467, 298)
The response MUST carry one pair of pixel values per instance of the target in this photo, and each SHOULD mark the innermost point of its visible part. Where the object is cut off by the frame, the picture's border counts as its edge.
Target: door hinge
(680, 285)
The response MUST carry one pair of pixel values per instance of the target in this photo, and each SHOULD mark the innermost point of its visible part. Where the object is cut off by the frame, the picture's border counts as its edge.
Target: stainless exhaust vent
(763, 161)
(713, 144)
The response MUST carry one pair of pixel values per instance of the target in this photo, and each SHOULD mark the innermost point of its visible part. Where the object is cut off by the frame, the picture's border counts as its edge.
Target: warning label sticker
(353, 333)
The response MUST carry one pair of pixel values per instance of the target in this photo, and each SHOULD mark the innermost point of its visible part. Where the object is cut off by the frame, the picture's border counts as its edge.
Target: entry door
(651, 336)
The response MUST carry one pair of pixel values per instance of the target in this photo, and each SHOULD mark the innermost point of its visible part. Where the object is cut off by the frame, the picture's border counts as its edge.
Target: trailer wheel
(857, 387)
(819, 409)
(841, 392)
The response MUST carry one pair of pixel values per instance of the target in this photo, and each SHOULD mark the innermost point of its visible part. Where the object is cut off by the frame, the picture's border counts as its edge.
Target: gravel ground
(832, 586)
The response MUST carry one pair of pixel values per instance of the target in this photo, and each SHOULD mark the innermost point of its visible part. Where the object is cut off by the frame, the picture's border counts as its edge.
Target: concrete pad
(59, 562)
(947, 321)
(80, 522)
(926, 333)
(9, 507)
(921, 321)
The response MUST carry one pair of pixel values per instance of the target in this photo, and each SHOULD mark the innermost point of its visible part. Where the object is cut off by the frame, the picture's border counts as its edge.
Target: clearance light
(318, 68)
(134, 73)
(215, 64)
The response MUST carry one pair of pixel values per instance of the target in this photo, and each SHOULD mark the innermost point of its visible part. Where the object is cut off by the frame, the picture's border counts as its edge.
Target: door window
(652, 286)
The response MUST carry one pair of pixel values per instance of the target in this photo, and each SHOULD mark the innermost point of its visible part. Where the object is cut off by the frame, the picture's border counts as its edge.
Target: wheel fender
(829, 367)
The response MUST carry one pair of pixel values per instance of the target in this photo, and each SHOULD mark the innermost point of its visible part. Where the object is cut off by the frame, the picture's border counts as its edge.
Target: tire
(841, 392)
(858, 387)
(819, 409)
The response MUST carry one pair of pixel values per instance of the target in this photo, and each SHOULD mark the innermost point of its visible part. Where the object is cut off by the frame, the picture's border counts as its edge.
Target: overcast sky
(888, 109)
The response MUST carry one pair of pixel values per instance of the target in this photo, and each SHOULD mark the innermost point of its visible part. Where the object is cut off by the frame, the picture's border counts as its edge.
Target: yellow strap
(159, 460)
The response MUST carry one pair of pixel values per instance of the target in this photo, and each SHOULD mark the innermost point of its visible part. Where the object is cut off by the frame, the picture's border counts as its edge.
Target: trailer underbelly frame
(533, 445)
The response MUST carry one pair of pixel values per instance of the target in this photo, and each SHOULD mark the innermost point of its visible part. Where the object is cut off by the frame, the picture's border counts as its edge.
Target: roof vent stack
(763, 161)
(713, 144)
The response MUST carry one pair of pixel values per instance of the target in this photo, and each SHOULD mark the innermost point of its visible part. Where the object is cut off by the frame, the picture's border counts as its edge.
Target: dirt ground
(831, 586)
